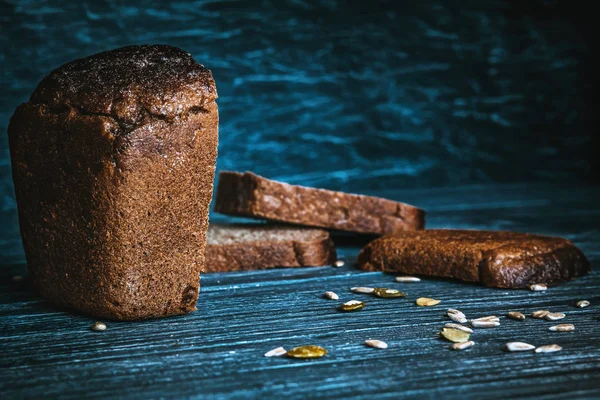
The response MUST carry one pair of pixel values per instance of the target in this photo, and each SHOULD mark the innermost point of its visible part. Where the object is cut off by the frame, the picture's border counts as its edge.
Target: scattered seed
(554, 316)
(491, 318)
(17, 278)
(339, 263)
(583, 303)
(456, 316)
(280, 351)
(516, 315)
(538, 287)
(519, 346)
(362, 289)
(331, 295)
(427, 302)
(352, 305)
(562, 328)
(98, 326)
(459, 327)
(407, 279)
(378, 344)
(540, 314)
(455, 335)
(484, 324)
(549, 348)
(388, 293)
(462, 345)
(307, 352)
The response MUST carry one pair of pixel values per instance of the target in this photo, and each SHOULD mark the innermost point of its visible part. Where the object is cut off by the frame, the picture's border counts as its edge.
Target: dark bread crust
(251, 195)
(270, 246)
(113, 207)
(492, 258)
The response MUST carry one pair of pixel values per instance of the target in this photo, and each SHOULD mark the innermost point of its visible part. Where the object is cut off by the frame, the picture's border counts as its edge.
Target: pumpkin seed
(583, 303)
(516, 315)
(331, 295)
(462, 345)
(538, 287)
(459, 327)
(555, 316)
(98, 326)
(519, 346)
(388, 293)
(406, 279)
(339, 263)
(455, 335)
(362, 289)
(540, 314)
(279, 351)
(427, 302)
(456, 316)
(562, 328)
(352, 305)
(549, 348)
(306, 352)
(378, 344)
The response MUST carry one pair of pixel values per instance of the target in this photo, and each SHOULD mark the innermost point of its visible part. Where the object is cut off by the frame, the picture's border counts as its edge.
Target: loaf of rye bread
(492, 258)
(238, 247)
(251, 195)
(113, 163)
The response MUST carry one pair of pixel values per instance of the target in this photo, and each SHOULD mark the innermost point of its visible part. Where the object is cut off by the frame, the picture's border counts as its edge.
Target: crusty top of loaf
(130, 84)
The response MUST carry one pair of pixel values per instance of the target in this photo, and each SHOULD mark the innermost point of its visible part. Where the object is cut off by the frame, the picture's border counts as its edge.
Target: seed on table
(540, 314)
(407, 279)
(554, 316)
(491, 318)
(307, 352)
(98, 326)
(339, 263)
(17, 278)
(388, 293)
(519, 346)
(279, 351)
(459, 327)
(331, 295)
(455, 335)
(462, 345)
(362, 289)
(427, 302)
(378, 344)
(352, 305)
(583, 303)
(516, 315)
(549, 348)
(538, 287)
(562, 328)
(486, 322)
(456, 316)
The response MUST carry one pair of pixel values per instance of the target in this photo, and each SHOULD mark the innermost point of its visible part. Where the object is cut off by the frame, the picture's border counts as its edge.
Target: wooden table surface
(217, 352)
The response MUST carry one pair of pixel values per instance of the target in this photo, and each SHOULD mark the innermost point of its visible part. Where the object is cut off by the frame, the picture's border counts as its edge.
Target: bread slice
(251, 195)
(240, 247)
(492, 258)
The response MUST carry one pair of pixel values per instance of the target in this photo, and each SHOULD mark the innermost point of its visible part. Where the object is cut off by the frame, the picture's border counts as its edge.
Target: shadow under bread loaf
(113, 163)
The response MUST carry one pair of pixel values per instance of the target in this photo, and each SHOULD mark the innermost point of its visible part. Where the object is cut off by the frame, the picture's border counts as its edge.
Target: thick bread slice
(251, 195)
(240, 247)
(493, 258)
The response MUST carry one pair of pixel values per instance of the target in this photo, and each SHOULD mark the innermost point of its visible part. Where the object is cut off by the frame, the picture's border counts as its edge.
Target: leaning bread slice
(251, 195)
(240, 247)
(492, 258)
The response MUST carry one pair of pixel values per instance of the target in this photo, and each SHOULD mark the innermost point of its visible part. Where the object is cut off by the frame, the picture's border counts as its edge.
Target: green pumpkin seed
(352, 305)
(306, 352)
(388, 293)
(455, 335)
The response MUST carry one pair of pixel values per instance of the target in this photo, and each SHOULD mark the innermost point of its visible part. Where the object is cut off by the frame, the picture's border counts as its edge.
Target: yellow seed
(352, 305)
(427, 302)
(306, 352)
(388, 293)
(455, 335)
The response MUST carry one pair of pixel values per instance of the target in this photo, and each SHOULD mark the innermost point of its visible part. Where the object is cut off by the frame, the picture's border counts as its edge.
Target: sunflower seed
(388, 293)
(455, 335)
(456, 316)
(462, 345)
(583, 303)
(519, 346)
(339, 263)
(331, 295)
(98, 326)
(459, 327)
(491, 318)
(407, 279)
(378, 344)
(307, 352)
(484, 324)
(540, 314)
(280, 351)
(352, 305)
(562, 328)
(538, 287)
(554, 316)
(362, 289)
(516, 315)
(549, 348)
(427, 302)
(17, 278)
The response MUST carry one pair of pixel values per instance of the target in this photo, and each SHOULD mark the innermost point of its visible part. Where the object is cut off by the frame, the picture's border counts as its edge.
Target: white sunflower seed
(378, 344)
(484, 324)
(549, 348)
(98, 326)
(491, 318)
(279, 351)
(331, 295)
(459, 327)
(538, 287)
(407, 279)
(519, 346)
(339, 263)
(456, 316)
(583, 303)
(562, 328)
(462, 346)
(540, 314)
(363, 289)
(554, 316)
(516, 315)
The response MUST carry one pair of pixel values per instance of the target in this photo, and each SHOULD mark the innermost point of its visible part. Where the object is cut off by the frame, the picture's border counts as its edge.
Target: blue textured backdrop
(355, 95)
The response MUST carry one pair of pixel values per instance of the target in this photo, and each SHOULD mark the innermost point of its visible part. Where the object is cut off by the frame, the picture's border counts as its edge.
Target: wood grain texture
(217, 352)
